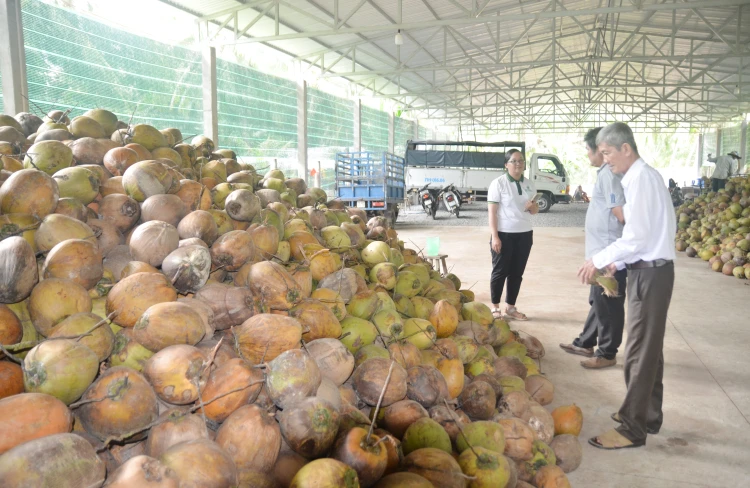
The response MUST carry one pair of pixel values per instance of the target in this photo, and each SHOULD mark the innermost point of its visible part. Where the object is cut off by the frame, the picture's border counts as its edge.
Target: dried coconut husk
(370, 377)
(317, 319)
(136, 293)
(273, 284)
(607, 282)
(76, 260)
(540, 388)
(200, 224)
(121, 210)
(201, 462)
(177, 373)
(478, 400)
(231, 305)
(263, 337)
(400, 415)
(234, 375)
(143, 471)
(108, 236)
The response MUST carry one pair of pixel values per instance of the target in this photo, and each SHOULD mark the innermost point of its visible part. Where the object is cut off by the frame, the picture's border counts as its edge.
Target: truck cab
(550, 178)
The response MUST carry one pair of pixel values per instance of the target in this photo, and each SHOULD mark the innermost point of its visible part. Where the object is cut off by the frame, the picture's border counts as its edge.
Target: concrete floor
(705, 439)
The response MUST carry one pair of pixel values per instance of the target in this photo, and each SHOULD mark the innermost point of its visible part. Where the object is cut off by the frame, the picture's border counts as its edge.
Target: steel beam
(13, 58)
(210, 97)
(302, 129)
(357, 107)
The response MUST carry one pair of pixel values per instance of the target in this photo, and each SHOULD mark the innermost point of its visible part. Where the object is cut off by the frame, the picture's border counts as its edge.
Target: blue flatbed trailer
(373, 182)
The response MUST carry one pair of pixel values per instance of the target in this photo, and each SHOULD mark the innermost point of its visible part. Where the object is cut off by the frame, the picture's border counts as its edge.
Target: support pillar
(719, 149)
(357, 125)
(416, 130)
(743, 147)
(302, 129)
(391, 132)
(13, 58)
(210, 97)
(700, 157)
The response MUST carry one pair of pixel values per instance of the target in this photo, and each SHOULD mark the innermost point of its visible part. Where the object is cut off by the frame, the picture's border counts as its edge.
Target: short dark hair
(509, 154)
(590, 138)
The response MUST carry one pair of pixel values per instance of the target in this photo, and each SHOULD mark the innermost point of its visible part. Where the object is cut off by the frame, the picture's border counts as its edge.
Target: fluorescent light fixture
(399, 39)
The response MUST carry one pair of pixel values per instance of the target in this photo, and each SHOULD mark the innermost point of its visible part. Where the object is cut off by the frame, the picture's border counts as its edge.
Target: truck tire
(544, 203)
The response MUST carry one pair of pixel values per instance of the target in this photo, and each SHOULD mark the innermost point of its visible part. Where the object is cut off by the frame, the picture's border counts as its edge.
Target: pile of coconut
(170, 317)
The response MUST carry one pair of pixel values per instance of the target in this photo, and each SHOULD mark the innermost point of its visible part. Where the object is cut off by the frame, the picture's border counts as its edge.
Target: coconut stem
(460, 429)
(108, 396)
(226, 393)
(10, 356)
(380, 400)
(22, 230)
(206, 369)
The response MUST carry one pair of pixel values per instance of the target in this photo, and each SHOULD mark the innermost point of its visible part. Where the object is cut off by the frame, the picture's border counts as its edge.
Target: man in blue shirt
(604, 223)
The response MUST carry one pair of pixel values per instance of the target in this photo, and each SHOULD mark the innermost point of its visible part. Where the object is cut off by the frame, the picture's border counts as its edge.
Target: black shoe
(616, 417)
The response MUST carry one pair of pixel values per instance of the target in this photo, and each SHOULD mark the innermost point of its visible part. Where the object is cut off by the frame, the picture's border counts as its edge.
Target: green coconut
(63, 368)
(482, 433)
(147, 136)
(357, 333)
(397, 257)
(370, 351)
(420, 332)
(363, 305)
(479, 366)
(467, 348)
(384, 274)
(376, 252)
(48, 156)
(106, 119)
(512, 349)
(389, 324)
(512, 383)
(335, 238)
(422, 307)
(385, 302)
(404, 305)
(477, 312)
(145, 179)
(83, 126)
(425, 432)
(422, 271)
(486, 468)
(128, 352)
(77, 182)
(456, 281)
(408, 284)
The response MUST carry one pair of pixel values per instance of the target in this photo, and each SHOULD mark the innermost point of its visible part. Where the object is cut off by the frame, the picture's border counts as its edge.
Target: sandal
(616, 417)
(497, 313)
(514, 314)
(613, 440)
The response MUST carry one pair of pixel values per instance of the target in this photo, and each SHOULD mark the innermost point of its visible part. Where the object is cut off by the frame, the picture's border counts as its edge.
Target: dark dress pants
(606, 320)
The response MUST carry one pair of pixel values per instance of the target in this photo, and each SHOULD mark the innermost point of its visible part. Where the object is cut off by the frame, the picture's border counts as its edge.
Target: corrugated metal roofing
(542, 64)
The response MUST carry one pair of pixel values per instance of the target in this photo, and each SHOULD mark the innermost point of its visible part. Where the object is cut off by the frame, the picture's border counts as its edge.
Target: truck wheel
(544, 203)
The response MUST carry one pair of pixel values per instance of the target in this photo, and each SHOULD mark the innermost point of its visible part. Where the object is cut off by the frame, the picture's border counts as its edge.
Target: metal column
(743, 146)
(13, 58)
(719, 149)
(302, 129)
(357, 125)
(210, 98)
(700, 155)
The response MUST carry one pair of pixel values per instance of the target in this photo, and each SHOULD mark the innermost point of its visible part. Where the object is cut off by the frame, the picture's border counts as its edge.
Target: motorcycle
(428, 197)
(451, 199)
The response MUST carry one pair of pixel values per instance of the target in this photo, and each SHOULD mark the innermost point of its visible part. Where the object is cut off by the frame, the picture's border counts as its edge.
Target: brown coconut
(400, 415)
(152, 241)
(167, 324)
(370, 378)
(406, 354)
(201, 462)
(18, 273)
(263, 337)
(188, 268)
(56, 228)
(200, 224)
(426, 385)
(177, 373)
(551, 477)
(108, 236)
(143, 471)
(309, 426)
(167, 208)
(251, 422)
(231, 305)
(451, 420)
(232, 250)
(52, 300)
(509, 366)
(540, 388)
(478, 400)
(174, 426)
(134, 294)
(333, 358)
(75, 260)
(273, 284)
(436, 466)
(121, 210)
(568, 452)
(134, 267)
(29, 191)
(540, 421)
(292, 376)
(100, 340)
(234, 374)
(317, 318)
(519, 439)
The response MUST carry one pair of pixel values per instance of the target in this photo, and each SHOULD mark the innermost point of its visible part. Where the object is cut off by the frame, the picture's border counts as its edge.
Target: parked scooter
(429, 199)
(451, 199)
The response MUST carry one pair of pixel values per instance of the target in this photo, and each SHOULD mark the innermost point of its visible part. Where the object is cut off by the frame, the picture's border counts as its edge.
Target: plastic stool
(435, 261)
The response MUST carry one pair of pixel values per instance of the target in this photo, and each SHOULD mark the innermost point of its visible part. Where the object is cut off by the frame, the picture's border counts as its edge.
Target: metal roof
(510, 65)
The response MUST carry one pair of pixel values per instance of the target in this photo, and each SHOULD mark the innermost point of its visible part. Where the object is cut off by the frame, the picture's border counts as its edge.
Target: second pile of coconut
(251, 343)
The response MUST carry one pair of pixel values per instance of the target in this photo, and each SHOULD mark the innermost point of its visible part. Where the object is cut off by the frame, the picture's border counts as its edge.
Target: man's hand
(497, 244)
(532, 207)
(587, 272)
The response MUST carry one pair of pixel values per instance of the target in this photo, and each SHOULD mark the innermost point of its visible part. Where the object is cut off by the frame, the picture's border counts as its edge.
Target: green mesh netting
(330, 129)
(731, 138)
(76, 63)
(257, 116)
(403, 130)
(424, 133)
(374, 125)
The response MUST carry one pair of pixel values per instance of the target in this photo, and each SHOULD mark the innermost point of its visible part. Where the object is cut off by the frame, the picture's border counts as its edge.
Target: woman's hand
(497, 244)
(532, 207)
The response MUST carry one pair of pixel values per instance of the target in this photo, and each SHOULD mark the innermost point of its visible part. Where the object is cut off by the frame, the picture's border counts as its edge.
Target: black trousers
(649, 295)
(717, 184)
(606, 319)
(509, 264)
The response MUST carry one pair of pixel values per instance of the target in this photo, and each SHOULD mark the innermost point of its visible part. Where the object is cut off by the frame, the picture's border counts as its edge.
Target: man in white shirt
(646, 249)
(723, 170)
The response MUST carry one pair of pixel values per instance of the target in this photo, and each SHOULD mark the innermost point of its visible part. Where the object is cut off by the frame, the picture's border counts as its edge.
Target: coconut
(477, 312)
(83, 126)
(107, 235)
(540, 388)
(134, 267)
(174, 427)
(246, 422)
(309, 426)
(274, 286)
(121, 210)
(325, 472)
(242, 205)
(188, 268)
(376, 252)
(317, 318)
(263, 337)
(551, 477)
(11, 329)
(333, 358)
(145, 179)
(166, 208)
(389, 324)
(568, 419)
(519, 439)
(167, 324)
(53, 300)
(125, 403)
(133, 295)
(75, 260)
(100, 340)
(48, 157)
(370, 378)
(444, 318)
(425, 433)
(292, 376)
(77, 182)
(200, 224)
(363, 305)
(486, 467)
(540, 421)
(267, 196)
(128, 352)
(422, 307)
(29, 416)
(364, 452)
(232, 250)
(230, 305)
(70, 461)
(177, 373)
(344, 282)
(29, 191)
(230, 376)
(514, 402)
(143, 471)
(56, 228)
(89, 150)
(62, 368)
(401, 414)
(426, 385)
(401, 480)
(368, 352)
(27, 123)
(568, 452)
(357, 333)
(436, 466)
(201, 462)
(419, 332)
(194, 195)
(482, 434)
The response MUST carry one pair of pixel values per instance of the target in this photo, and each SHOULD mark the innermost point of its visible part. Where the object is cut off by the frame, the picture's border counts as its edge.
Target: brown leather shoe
(598, 363)
(581, 351)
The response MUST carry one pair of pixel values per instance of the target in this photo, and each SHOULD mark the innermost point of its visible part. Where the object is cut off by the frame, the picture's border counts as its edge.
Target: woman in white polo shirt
(511, 204)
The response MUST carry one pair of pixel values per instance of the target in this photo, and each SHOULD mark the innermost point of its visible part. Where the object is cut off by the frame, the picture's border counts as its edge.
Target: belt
(657, 263)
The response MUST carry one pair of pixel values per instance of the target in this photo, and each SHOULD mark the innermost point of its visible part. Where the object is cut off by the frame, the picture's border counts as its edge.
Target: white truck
(472, 166)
